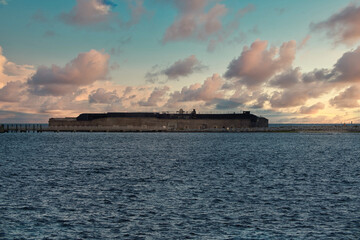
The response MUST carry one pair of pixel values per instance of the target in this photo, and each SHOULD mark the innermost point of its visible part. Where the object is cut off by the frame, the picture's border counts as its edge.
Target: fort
(173, 122)
(150, 121)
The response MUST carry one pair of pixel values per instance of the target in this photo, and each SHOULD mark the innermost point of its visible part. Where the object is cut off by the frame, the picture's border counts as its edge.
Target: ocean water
(179, 186)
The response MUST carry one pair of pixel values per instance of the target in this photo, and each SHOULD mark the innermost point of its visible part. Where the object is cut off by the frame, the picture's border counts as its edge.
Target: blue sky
(133, 34)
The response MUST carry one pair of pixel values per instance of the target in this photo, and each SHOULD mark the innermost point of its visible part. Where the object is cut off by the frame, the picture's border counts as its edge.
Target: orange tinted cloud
(85, 69)
(102, 96)
(258, 64)
(313, 109)
(209, 90)
(348, 98)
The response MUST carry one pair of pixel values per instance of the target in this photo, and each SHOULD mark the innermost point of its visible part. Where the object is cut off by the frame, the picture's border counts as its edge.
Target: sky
(289, 61)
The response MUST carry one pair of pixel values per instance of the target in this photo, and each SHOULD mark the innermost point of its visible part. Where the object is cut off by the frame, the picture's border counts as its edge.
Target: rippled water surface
(179, 186)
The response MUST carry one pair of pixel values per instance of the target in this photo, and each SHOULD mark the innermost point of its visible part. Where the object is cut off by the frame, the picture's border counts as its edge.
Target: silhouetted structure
(149, 121)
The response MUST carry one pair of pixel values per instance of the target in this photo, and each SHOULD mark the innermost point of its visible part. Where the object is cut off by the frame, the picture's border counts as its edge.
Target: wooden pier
(23, 128)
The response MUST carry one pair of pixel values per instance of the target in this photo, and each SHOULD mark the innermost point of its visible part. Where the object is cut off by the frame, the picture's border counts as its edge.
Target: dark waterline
(44, 125)
(179, 186)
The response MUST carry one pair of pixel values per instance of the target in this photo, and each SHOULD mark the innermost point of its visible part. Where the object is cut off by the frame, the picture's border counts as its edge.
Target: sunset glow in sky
(289, 61)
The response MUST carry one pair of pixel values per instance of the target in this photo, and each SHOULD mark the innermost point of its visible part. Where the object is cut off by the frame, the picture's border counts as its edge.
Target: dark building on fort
(149, 121)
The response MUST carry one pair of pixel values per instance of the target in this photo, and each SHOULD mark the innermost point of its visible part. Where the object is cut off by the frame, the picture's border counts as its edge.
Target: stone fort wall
(148, 124)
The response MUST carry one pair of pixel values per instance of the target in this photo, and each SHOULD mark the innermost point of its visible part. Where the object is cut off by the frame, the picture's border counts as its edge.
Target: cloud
(121, 43)
(3, 59)
(318, 75)
(181, 68)
(213, 44)
(133, 95)
(256, 64)
(304, 42)
(343, 26)
(76, 87)
(298, 88)
(347, 68)
(85, 69)
(298, 94)
(209, 90)
(286, 79)
(12, 92)
(99, 13)
(21, 117)
(3, 2)
(137, 10)
(103, 96)
(199, 20)
(88, 12)
(229, 28)
(312, 109)
(226, 104)
(10, 71)
(291, 98)
(67, 105)
(348, 98)
(309, 119)
(156, 96)
(153, 75)
(193, 21)
(260, 101)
